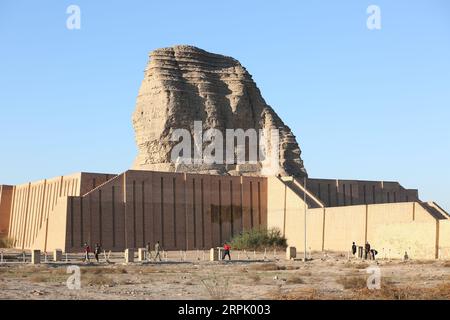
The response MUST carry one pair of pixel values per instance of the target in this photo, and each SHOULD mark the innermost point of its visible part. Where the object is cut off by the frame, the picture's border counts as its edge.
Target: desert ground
(249, 275)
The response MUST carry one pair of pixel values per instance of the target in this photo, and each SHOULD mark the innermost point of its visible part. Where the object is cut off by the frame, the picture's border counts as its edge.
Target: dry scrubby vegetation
(6, 242)
(259, 239)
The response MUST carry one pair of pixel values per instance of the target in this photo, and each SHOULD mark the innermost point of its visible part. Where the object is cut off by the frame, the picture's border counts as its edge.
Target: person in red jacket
(87, 250)
(226, 251)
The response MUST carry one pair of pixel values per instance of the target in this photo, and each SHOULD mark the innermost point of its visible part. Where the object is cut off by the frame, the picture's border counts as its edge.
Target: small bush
(39, 278)
(259, 239)
(353, 282)
(266, 267)
(255, 277)
(302, 294)
(295, 280)
(6, 242)
(218, 289)
(99, 280)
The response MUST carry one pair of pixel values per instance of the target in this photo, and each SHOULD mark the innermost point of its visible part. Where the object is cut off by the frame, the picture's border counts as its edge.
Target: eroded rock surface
(183, 84)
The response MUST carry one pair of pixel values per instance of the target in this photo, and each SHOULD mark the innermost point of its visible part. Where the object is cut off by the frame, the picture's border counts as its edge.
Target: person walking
(226, 251)
(157, 251)
(353, 248)
(97, 251)
(367, 250)
(148, 247)
(87, 250)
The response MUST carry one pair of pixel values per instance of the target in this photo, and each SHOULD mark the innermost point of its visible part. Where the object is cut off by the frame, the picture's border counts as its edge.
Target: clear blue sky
(363, 104)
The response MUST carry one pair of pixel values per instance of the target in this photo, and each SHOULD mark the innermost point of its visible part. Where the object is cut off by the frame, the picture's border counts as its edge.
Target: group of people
(369, 253)
(87, 251)
(98, 250)
(158, 249)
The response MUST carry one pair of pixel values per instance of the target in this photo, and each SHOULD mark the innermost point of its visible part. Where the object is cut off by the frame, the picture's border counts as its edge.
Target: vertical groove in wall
(30, 213)
(366, 223)
(436, 254)
(351, 194)
(11, 215)
(251, 205)
(143, 213)
(194, 211)
(343, 194)
(100, 217)
(162, 212)
(152, 210)
(125, 220)
(259, 203)
(373, 195)
(414, 212)
(186, 220)
(231, 208)
(82, 240)
(90, 219)
(18, 214)
(323, 228)
(241, 191)
(329, 194)
(220, 211)
(174, 212)
(71, 223)
(337, 193)
(61, 185)
(113, 196)
(284, 210)
(134, 215)
(203, 213)
(26, 216)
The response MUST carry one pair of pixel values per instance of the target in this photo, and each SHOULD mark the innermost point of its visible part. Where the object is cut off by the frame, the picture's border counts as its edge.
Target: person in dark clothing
(226, 251)
(367, 250)
(97, 251)
(373, 253)
(353, 248)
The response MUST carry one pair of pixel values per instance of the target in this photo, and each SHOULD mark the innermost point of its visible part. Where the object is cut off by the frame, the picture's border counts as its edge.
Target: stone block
(291, 253)
(129, 255)
(214, 254)
(142, 254)
(35, 256)
(57, 255)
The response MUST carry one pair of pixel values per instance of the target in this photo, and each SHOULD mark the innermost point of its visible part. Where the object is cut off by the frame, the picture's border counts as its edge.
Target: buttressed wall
(182, 211)
(32, 204)
(195, 211)
(418, 228)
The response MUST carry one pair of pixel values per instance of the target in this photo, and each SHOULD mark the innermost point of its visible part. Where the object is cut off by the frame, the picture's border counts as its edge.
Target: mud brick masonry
(199, 211)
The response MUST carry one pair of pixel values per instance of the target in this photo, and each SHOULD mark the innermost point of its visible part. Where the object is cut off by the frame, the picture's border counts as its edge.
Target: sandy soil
(330, 276)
